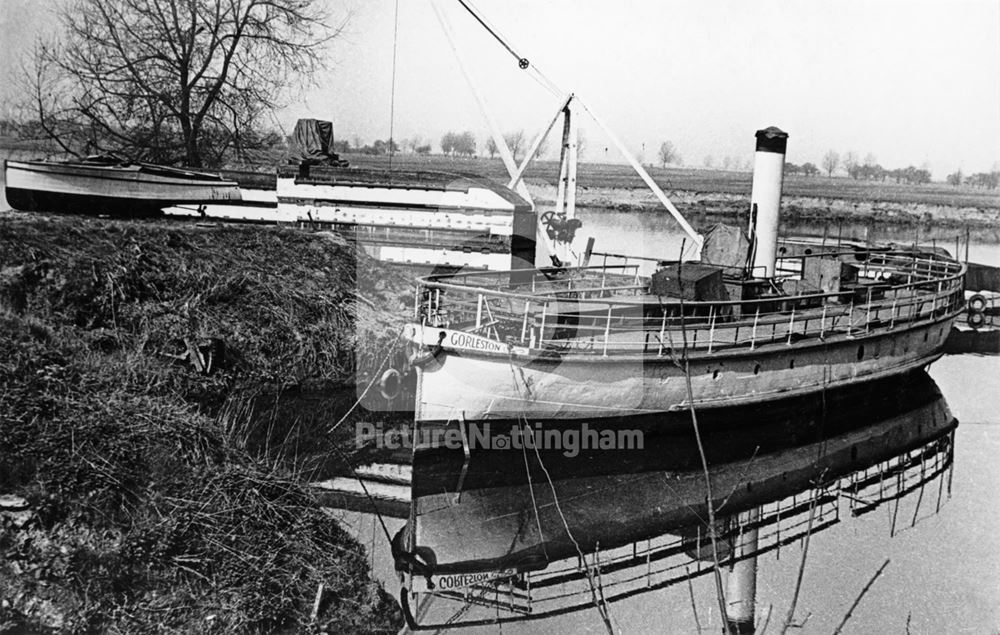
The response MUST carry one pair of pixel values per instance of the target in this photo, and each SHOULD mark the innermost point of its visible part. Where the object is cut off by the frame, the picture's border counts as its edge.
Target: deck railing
(606, 309)
(661, 562)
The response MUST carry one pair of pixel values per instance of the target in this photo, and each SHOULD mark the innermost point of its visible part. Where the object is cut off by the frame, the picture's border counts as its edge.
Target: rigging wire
(522, 62)
(533, 71)
(392, 94)
(597, 599)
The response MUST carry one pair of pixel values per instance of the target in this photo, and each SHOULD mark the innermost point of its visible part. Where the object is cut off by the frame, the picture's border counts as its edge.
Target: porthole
(861, 352)
(791, 363)
(756, 369)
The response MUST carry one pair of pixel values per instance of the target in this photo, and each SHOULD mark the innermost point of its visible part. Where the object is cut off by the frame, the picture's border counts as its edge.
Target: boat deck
(610, 309)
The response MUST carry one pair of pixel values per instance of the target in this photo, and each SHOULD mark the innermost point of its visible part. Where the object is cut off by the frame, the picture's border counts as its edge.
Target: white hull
(461, 224)
(465, 383)
(128, 183)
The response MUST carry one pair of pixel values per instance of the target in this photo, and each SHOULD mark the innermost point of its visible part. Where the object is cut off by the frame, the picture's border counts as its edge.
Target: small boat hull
(133, 190)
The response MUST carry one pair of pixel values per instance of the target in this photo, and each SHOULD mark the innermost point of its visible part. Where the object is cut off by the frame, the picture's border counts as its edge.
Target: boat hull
(473, 382)
(107, 189)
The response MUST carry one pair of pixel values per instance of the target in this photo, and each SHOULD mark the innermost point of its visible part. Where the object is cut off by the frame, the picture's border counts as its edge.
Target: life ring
(977, 303)
(975, 319)
(390, 383)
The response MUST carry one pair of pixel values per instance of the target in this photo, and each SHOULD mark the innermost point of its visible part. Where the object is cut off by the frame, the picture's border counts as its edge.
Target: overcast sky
(908, 81)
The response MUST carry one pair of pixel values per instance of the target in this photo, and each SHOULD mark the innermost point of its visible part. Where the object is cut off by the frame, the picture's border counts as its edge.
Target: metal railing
(608, 309)
(663, 561)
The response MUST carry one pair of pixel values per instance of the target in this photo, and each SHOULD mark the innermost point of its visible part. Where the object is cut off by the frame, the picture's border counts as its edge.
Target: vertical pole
(541, 329)
(563, 166)
(607, 331)
(741, 587)
(711, 327)
(768, 172)
(663, 329)
(524, 325)
(570, 163)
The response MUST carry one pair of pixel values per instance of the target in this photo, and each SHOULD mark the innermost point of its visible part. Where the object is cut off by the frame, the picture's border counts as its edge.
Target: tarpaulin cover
(312, 140)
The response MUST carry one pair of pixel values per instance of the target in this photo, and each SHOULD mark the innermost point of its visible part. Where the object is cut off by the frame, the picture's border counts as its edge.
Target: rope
(375, 376)
(392, 94)
(599, 603)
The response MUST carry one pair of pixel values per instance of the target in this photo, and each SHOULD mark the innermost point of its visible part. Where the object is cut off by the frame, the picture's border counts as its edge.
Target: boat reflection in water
(526, 532)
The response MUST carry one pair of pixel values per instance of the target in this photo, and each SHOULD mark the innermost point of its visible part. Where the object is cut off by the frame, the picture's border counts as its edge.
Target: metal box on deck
(690, 281)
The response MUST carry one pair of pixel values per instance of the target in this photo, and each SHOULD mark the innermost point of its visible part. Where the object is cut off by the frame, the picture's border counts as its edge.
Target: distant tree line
(806, 169)
(982, 180)
(870, 170)
(461, 144)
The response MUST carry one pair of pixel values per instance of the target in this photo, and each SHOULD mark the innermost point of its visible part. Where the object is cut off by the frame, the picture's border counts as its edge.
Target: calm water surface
(943, 575)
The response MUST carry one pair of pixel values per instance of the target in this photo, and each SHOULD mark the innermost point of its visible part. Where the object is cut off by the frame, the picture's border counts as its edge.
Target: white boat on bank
(108, 186)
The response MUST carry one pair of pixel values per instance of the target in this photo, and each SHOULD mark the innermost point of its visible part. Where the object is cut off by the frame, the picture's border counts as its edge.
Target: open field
(712, 195)
(621, 176)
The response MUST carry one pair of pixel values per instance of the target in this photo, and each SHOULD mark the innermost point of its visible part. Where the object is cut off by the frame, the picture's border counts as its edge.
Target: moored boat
(108, 186)
(604, 341)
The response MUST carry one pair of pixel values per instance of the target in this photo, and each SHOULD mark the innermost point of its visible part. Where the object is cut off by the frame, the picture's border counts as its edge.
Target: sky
(912, 82)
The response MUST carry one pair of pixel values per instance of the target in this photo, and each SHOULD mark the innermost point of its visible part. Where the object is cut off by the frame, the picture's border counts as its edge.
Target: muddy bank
(145, 495)
(795, 209)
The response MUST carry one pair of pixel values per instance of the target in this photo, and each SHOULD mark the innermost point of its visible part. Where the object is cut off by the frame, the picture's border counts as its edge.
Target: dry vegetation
(149, 509)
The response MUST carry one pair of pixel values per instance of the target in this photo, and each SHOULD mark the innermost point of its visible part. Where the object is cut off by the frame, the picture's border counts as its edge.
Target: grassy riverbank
(127, 354)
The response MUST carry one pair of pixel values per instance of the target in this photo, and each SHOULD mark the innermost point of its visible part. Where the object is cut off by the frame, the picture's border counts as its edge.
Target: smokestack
(741, 592)
(768, 171)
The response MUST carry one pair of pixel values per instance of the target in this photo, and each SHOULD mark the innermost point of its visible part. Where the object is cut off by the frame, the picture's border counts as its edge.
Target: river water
(943, 572)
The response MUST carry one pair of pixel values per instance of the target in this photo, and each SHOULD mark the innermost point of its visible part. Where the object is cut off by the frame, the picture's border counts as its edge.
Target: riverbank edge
(146, 492)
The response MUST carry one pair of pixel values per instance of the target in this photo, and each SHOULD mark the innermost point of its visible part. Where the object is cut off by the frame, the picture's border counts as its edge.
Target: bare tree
(667, 154)
(412, 143)
(516, 142)
(173, 80)
(831, 160)
(851, 164)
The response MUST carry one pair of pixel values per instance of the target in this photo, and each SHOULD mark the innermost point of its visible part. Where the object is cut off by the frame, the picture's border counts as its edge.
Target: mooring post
(768, 173)
(741, 587)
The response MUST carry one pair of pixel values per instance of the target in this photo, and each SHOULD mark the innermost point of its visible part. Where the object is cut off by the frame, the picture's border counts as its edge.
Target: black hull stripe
(90, 204)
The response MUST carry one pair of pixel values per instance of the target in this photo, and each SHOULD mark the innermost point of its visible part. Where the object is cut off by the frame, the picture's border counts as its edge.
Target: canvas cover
(726, 246)
(312, 141)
